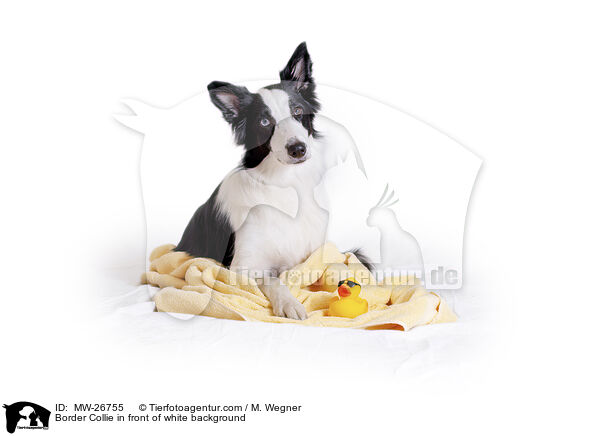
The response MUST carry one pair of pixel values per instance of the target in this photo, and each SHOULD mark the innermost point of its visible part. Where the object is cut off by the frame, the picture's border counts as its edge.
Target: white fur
(272, 208)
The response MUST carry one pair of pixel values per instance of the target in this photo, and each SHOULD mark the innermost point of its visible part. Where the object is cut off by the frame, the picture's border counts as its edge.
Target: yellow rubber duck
(348, 304)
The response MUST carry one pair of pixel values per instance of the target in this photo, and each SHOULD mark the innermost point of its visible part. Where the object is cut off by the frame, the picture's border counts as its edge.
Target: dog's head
(276, 121)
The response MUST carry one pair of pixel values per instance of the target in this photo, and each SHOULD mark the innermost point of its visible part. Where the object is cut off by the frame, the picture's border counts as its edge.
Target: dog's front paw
(289, 307)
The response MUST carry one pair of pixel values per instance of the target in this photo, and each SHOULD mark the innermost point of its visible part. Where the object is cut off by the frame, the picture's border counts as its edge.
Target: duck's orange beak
(344, 291)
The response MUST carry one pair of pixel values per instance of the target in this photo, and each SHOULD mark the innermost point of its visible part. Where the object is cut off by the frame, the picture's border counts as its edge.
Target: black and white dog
(238, 224)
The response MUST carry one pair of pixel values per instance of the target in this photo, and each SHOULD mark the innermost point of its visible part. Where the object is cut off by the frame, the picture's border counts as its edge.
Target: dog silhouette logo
(26, 415)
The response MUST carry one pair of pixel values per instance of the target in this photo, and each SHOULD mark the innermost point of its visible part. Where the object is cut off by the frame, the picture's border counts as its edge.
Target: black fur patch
(209, 233)
(364, 259)
(309, 106)
(297, 81)
(298, 73)
(244, 110)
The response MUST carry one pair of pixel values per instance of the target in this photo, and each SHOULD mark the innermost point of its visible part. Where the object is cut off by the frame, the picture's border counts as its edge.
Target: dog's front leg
(283, 302)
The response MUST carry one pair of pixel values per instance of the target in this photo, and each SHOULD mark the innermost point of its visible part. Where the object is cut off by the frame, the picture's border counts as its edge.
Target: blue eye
(298, 111)
(265, 122)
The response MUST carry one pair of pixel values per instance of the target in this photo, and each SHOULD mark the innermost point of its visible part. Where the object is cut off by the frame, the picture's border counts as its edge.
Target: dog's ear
(298, 68)
(230, 99)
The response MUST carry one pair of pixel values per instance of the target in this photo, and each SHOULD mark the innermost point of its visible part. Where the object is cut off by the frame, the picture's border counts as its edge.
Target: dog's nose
(296, 149)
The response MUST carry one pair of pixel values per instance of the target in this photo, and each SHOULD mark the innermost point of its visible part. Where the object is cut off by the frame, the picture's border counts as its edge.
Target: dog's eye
(264, 122)
(298, 111)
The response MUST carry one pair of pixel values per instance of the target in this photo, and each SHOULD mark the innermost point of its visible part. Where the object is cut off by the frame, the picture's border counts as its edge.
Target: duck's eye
(298, 111)
(264, 122)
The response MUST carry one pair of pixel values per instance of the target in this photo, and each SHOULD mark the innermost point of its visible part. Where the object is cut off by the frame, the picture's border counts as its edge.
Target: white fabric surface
(128, 311)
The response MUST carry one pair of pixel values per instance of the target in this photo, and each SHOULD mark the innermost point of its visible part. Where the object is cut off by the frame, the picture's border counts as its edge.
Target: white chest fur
(276, 219)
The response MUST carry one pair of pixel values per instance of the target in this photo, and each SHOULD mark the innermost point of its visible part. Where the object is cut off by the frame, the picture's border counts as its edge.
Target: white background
(515, 82)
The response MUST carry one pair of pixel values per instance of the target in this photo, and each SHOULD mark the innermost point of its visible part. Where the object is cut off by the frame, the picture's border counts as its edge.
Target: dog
(238, 225)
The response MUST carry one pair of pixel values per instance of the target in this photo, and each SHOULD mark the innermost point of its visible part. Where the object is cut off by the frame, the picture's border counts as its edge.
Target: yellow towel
(201, 286)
